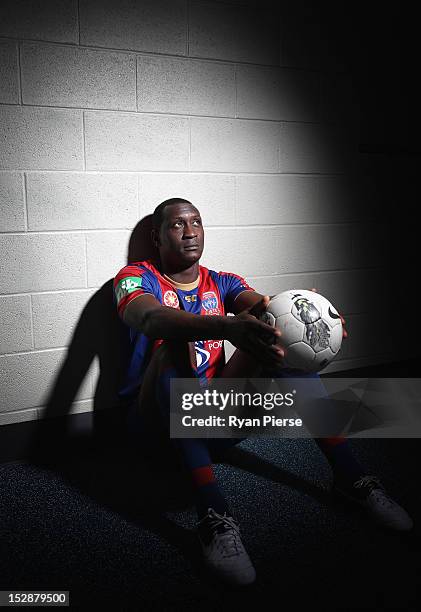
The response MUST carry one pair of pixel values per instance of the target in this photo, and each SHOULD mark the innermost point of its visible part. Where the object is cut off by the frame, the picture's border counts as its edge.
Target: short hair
(158, 214)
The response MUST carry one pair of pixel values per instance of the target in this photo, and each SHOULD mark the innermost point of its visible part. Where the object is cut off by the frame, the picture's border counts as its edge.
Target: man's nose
(190, 230)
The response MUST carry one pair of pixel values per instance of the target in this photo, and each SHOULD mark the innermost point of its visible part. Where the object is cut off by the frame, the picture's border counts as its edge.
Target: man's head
(178, 233)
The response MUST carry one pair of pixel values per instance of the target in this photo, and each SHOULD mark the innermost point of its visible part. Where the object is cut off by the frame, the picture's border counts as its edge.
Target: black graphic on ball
(318, 335)
(332, 314)
(307, 310)
(317, 331)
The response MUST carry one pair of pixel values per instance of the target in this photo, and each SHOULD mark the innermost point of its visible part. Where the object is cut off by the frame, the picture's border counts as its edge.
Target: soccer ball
(311, 328)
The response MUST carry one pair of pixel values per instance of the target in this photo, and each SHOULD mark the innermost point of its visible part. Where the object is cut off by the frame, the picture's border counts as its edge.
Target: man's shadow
(98, 457)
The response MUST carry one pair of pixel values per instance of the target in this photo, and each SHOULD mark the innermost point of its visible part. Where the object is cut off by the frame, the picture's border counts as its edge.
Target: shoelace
(228, 542)
(369, 482)
(374, 485)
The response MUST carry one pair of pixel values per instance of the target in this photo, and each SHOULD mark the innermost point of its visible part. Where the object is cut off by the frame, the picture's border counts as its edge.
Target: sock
(346, 468)
(207, 493)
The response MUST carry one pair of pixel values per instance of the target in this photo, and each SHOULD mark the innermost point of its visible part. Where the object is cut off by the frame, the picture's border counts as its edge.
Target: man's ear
(155, 238)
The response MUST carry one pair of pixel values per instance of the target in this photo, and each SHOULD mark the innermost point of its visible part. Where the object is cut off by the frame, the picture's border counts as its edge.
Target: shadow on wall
(99, 333)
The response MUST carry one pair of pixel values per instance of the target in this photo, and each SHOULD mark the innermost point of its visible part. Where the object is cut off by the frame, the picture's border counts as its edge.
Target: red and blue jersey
(214, 295)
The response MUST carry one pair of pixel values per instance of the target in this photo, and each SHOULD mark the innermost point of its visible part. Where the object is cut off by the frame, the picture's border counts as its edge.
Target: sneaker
(369, 493)
(223, 550)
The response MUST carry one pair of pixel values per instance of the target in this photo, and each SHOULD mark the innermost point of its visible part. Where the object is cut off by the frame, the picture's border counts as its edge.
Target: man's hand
(344, 332)
(246, 332)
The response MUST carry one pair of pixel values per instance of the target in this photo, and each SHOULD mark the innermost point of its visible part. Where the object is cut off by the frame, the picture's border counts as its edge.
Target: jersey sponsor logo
(210, 303)
(215, 344)
(127, 286)
(202, 355)
(190, 298)
(171, 299)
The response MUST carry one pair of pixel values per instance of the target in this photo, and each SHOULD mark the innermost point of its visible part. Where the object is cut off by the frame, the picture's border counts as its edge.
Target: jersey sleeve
(230, 286)
(131, 282)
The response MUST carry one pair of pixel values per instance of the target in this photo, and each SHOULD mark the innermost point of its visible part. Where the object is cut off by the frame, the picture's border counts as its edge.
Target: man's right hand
(246, 332)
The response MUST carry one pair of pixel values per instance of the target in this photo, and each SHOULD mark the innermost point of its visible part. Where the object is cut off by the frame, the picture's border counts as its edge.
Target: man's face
(181, 237)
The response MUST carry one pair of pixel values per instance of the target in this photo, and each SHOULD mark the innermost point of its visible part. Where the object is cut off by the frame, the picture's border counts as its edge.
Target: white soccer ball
(311, 328)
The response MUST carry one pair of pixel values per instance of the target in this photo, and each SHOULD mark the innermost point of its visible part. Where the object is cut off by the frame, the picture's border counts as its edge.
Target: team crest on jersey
(210, 303)
(171, 299)
(202, 355)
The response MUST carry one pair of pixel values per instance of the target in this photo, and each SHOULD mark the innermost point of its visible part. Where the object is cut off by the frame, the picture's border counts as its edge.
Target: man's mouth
(191, 247)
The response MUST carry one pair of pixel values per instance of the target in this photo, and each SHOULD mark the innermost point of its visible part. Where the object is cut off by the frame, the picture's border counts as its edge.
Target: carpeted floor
(117, 531)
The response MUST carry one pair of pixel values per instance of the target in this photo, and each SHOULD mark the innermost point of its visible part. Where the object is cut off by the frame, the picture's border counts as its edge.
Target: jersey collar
(183, 286)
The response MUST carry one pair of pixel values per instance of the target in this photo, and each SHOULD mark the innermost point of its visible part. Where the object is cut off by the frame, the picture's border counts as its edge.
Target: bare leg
(241, 365)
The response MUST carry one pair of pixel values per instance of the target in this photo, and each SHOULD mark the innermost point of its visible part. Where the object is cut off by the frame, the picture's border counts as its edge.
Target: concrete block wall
(107, 107)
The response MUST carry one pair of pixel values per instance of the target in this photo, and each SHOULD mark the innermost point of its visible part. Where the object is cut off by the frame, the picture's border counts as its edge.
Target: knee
(177, 356)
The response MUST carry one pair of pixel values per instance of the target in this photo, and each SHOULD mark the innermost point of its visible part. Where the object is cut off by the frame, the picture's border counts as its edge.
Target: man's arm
(246, 299)
(244, 331)
(147, 315)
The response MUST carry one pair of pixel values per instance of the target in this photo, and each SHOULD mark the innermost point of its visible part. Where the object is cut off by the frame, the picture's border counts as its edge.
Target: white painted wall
(109, 107)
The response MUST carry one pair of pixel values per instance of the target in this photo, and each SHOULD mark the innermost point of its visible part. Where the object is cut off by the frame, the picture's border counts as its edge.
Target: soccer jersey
(212, 294)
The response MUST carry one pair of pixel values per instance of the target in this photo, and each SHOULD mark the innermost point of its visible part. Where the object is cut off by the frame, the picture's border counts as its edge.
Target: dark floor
(118, 531)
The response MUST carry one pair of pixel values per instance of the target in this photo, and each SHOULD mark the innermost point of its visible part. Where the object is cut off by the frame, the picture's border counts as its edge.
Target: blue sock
(345, 466)
(206, 492)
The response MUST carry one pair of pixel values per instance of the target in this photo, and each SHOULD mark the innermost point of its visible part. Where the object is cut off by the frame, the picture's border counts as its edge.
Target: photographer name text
(239, 423)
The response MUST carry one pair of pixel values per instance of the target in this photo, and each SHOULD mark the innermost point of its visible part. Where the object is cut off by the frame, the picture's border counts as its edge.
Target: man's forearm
(171, 324)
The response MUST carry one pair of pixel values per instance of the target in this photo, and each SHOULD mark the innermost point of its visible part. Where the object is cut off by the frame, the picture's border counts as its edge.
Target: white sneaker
(369, 493)
(223, 550)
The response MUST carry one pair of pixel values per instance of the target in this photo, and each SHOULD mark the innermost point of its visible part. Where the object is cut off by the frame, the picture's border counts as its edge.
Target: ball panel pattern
(291, 329)
(300, 355)
(311, 328)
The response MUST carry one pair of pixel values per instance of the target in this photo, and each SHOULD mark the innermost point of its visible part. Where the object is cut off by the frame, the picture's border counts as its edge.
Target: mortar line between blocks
(86, 260)
(136, 97)
(235, 201)
(78, 21)
(49, 291)
(54, 349)
(189, 143)
(321, 110)
(31, 318)
(20, 93)
(154, 53)
(170, 115)
(25, 201)
(235, 91)
(188, 29)
(323, 175)
(210, 227)
(84, 140)
(138, 197)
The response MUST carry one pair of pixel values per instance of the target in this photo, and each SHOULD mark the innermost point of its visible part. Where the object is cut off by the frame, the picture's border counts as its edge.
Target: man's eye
(197, 222)
(178, 224)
